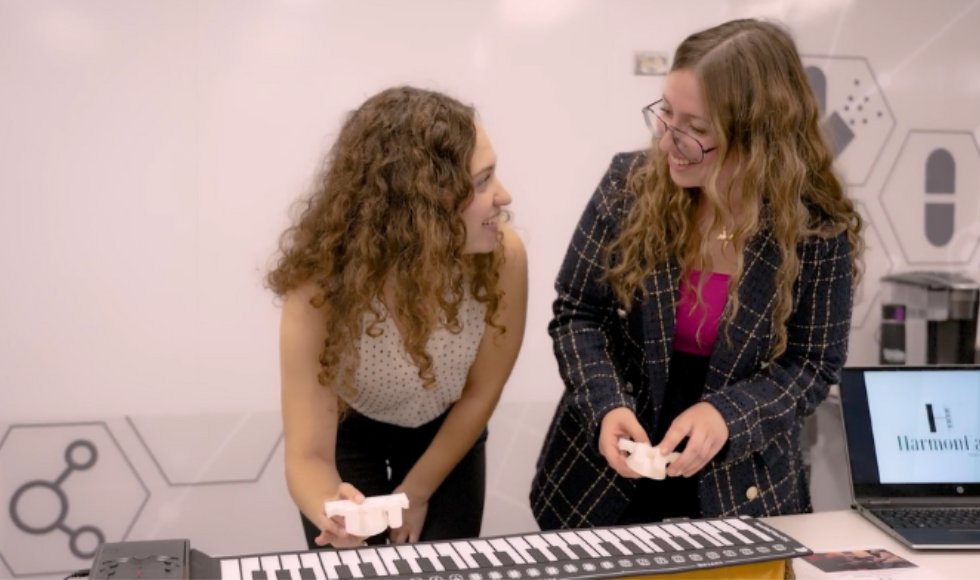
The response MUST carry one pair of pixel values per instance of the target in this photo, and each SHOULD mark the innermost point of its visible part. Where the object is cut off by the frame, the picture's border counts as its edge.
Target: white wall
(150, 152)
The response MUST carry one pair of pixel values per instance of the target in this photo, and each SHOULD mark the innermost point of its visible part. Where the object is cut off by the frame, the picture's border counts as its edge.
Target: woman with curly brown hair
(405, 295)
(719, 316)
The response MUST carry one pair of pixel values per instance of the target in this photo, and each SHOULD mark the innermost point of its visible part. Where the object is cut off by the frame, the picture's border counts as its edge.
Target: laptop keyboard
(961, 518)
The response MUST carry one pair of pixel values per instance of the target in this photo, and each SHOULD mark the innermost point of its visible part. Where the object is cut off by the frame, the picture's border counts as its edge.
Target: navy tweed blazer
(611, 358)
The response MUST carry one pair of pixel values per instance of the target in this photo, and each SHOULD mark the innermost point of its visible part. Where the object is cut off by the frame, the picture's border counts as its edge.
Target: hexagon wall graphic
(855, 115)
(877, 264)
(67, 487)
(932, 197)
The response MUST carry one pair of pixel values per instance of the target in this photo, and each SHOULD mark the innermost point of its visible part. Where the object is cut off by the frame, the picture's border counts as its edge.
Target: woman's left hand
(413, 519)
(706, 434)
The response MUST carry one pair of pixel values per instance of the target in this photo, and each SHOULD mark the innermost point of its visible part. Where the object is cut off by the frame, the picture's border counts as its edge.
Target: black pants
(375, 457)
(673, 497)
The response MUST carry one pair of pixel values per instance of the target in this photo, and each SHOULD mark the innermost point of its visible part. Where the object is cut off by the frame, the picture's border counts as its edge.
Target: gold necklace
(725, 237)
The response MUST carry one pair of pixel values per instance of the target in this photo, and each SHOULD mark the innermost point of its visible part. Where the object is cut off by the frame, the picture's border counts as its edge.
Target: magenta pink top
(715, 296)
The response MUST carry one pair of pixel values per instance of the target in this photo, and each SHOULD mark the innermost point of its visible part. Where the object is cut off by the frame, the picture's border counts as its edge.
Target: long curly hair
(762, 110)
(385, 208)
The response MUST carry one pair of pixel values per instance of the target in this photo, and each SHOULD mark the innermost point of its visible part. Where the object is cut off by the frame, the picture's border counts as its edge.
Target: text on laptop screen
(926, 425)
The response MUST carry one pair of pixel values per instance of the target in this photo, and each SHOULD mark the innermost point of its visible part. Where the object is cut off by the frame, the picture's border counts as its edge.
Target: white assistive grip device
(647, 460)
(372, 517)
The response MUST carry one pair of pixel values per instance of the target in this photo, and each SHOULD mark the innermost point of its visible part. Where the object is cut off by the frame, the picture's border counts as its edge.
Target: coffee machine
(928, 318)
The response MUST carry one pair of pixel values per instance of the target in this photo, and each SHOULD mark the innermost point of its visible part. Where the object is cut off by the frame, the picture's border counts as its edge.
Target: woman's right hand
(618, 424)
(332, 530)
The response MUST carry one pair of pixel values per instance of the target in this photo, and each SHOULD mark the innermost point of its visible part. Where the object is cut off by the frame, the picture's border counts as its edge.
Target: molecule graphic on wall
(79, 456)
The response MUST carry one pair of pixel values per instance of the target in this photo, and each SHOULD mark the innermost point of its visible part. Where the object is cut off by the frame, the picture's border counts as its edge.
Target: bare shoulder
(301, 321)
(515, 255)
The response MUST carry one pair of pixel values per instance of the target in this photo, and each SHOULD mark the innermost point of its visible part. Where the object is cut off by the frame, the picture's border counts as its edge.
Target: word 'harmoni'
(906, 443)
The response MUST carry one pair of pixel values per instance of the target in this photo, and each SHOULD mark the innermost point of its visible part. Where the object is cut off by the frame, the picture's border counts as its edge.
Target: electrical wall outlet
(651, 63)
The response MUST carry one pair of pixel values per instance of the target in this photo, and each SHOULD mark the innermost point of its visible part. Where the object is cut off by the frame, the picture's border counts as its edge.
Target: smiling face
(489, 197)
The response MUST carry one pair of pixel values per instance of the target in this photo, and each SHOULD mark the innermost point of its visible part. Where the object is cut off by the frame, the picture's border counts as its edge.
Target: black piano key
(551, 551)
(306, 574)
(505, 558)
(283, 575)
(632, 546)
(580, 551)
(684, 542)
(735, 541)
(448, 563)
(612, 549)
(481, 560)
(536, 555)
(425, 564)
(660, 543)
(343, 571)
(367, 568)
(259, 575)
(402, 566)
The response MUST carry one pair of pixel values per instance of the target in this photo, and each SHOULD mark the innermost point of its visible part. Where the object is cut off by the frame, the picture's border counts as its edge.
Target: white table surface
(846, 530)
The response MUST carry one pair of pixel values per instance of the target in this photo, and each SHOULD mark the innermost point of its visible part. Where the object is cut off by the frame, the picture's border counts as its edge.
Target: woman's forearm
(311, 480)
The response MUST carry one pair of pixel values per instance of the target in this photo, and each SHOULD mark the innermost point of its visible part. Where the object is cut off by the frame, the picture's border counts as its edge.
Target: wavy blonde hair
(386, 206)
(762, 111)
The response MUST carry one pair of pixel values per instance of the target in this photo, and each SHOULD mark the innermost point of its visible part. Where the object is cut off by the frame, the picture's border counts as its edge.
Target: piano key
(403, 567)
(352, 561)
(578, 545)
(388, 557)
(594, 541)
(739, 524)
(447, 555)
(291, 563)
(410, 556)
(521, 546)
(330, 561)
(259, 575)
(711, 533)
(663, 537)
(284, 575)
(310, 561)
(632, 540)
(465, 552)
(370, 557)
(344, 572)
(559, 546)
(612, 541)
(731, 533)
(429, 553)
(645, 537)
(230, 570)
(307, 574)
(541, 545)
(481, 560)
(680, 534)
(696, 533)
(270, 564)
(249, 565)
(484, 548)
(501, 546)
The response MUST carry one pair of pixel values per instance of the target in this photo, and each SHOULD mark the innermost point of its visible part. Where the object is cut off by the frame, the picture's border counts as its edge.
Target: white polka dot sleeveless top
(387, 381)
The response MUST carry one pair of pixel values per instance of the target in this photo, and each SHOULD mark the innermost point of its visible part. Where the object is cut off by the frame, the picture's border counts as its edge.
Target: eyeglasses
(689, 147)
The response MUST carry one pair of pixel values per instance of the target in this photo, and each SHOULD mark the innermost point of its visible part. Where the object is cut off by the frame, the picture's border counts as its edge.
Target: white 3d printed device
(647, 460)
(372, 517)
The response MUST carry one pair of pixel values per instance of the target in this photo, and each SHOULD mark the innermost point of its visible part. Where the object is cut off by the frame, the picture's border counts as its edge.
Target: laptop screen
(912, 431)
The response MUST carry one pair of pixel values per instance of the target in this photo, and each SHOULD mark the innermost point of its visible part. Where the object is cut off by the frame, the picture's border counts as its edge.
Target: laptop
(912, 436)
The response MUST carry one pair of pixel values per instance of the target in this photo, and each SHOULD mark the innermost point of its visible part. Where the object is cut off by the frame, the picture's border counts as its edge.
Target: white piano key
(541, 544)
(662, 535)
(248, 566)
(484, 547)
(572, 538)
(290, 562)
(501, 545)
(712, 533)
(230, 570)
(388, 556)
(369, 555)
(447, 550)
(679, 533)
(594, 541)
(409, 554)
(312, 561)
(723, 526)
(521, 545)
(465, 552)
(350, 559)
(737, 523)
(270, 564)
(611, 538)
(695, 531)
(427, 551)
(557, 543)
(624, 534)
(330, 561)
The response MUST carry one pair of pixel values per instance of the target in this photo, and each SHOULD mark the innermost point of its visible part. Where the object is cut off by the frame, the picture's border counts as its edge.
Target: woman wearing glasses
(704, 304)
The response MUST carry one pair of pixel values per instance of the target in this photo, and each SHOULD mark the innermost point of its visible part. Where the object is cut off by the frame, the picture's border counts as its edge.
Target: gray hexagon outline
(888, 177)
(884, 99)
(129, 464)
(166, 478)
(891, 265)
